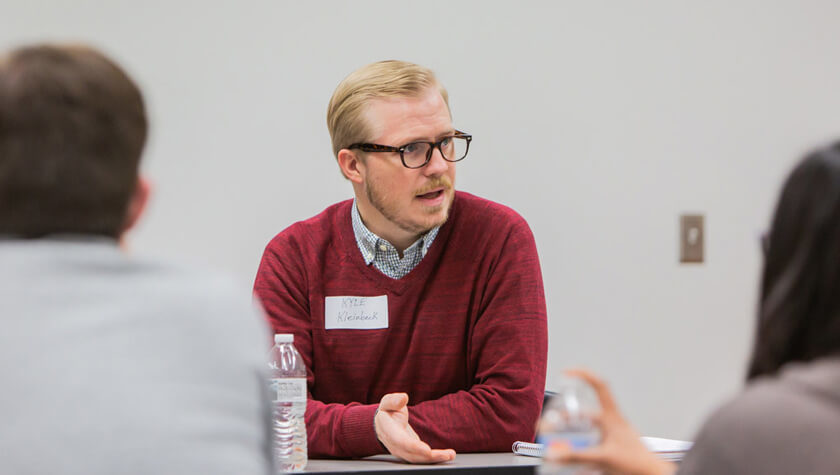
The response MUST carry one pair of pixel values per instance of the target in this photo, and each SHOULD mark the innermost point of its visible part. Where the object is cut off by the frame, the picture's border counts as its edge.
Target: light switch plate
(692, 238)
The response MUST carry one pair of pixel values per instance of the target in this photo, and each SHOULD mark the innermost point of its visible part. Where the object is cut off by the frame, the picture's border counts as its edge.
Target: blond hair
(345, 113)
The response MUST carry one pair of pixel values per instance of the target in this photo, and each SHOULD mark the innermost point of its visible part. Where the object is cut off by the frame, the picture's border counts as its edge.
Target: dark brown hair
(799, 312)
(72, 129)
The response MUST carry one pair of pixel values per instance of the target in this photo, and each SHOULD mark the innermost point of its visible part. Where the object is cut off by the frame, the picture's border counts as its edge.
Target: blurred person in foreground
(110, 364)
(787, 418)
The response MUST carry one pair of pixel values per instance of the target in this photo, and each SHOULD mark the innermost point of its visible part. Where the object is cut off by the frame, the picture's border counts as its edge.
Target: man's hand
(621, 449)
(393, 430)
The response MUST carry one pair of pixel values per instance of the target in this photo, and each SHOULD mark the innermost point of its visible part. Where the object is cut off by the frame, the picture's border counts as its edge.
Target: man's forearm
(341, 430)
(479, 420)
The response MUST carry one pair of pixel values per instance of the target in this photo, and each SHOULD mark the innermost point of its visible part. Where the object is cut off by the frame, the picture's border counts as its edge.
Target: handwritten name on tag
(359, 313)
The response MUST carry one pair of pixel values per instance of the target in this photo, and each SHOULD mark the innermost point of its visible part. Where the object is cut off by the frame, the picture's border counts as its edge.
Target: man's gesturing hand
(393, 430)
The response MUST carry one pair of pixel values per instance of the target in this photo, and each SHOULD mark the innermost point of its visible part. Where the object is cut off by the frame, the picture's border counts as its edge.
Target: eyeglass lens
(452, 148)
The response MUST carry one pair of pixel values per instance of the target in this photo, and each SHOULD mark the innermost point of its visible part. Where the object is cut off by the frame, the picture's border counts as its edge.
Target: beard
(390, 209)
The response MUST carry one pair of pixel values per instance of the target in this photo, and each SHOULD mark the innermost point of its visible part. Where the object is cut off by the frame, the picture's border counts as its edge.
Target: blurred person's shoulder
(780, 424)
(176, 296)
(198, 294)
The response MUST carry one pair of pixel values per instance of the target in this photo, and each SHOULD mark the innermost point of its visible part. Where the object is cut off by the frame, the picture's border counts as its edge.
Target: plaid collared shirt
(383, 254)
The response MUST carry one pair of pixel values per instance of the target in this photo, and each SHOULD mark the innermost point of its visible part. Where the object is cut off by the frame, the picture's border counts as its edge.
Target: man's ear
(352, 165)
(137, 203)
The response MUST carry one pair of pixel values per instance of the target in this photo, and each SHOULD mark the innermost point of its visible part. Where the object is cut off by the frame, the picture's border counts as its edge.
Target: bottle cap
(284, 338)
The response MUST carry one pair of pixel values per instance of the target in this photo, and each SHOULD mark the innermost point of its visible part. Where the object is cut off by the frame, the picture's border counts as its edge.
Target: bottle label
(288, 389)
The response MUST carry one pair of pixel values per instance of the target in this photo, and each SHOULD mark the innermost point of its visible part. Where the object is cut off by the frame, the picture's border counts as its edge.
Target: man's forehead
(387, 114)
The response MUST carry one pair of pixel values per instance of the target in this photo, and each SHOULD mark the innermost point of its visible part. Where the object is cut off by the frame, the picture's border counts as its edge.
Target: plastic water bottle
(288, 393)
(567, 417)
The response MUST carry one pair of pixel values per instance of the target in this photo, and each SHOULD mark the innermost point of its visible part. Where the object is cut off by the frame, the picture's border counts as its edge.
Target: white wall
(598, 121)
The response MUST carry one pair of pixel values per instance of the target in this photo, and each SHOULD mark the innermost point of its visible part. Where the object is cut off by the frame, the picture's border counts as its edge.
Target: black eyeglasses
(453, 148)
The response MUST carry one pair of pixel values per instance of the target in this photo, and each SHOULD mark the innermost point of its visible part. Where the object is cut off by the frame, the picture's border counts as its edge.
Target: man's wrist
(376, 432)
(356, 437)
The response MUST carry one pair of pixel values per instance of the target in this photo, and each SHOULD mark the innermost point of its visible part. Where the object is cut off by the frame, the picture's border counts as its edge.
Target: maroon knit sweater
(466, 336)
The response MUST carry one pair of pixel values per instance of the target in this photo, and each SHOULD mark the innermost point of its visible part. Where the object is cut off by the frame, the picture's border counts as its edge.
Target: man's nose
(437, 165)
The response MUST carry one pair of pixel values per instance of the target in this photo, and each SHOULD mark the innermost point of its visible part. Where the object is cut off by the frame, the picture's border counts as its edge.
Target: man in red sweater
(418, 310)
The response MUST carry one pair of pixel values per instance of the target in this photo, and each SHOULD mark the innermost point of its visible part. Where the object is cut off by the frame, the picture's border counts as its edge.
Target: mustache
(435, 183)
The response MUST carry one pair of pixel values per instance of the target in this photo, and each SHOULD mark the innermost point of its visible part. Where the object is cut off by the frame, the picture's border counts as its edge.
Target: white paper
(668, 449)
(356, 313)
(657, 444)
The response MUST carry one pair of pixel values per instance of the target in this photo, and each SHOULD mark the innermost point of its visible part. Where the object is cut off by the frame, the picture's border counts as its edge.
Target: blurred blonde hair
(345, 113)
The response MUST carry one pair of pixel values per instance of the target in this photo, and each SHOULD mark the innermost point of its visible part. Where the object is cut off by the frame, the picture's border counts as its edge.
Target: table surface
(462, 463)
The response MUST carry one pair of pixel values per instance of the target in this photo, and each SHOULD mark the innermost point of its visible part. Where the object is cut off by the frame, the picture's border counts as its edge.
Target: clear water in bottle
(288, 393)
(567, 417)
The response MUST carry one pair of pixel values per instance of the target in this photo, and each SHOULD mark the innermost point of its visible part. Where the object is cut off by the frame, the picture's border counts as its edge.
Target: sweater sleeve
(507, 351)
(333, 430)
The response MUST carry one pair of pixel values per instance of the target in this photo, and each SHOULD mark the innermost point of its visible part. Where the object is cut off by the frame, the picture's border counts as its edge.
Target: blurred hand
(621, 449)
(393, 430)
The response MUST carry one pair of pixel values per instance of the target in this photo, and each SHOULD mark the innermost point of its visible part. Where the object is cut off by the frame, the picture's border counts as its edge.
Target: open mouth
(431, 195)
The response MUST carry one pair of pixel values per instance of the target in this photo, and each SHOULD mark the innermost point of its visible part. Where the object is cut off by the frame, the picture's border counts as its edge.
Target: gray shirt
(788, 424)
(116, 365)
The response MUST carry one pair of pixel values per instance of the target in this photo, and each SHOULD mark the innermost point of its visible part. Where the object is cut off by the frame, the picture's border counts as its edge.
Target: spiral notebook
(668, 449)
(529, 449)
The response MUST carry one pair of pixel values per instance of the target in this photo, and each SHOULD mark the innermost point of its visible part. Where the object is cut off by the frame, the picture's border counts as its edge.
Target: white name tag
(358, 313)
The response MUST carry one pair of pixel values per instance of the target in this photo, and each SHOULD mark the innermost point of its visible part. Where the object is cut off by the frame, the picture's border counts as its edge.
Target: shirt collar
(368, 241)
(364, 238)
